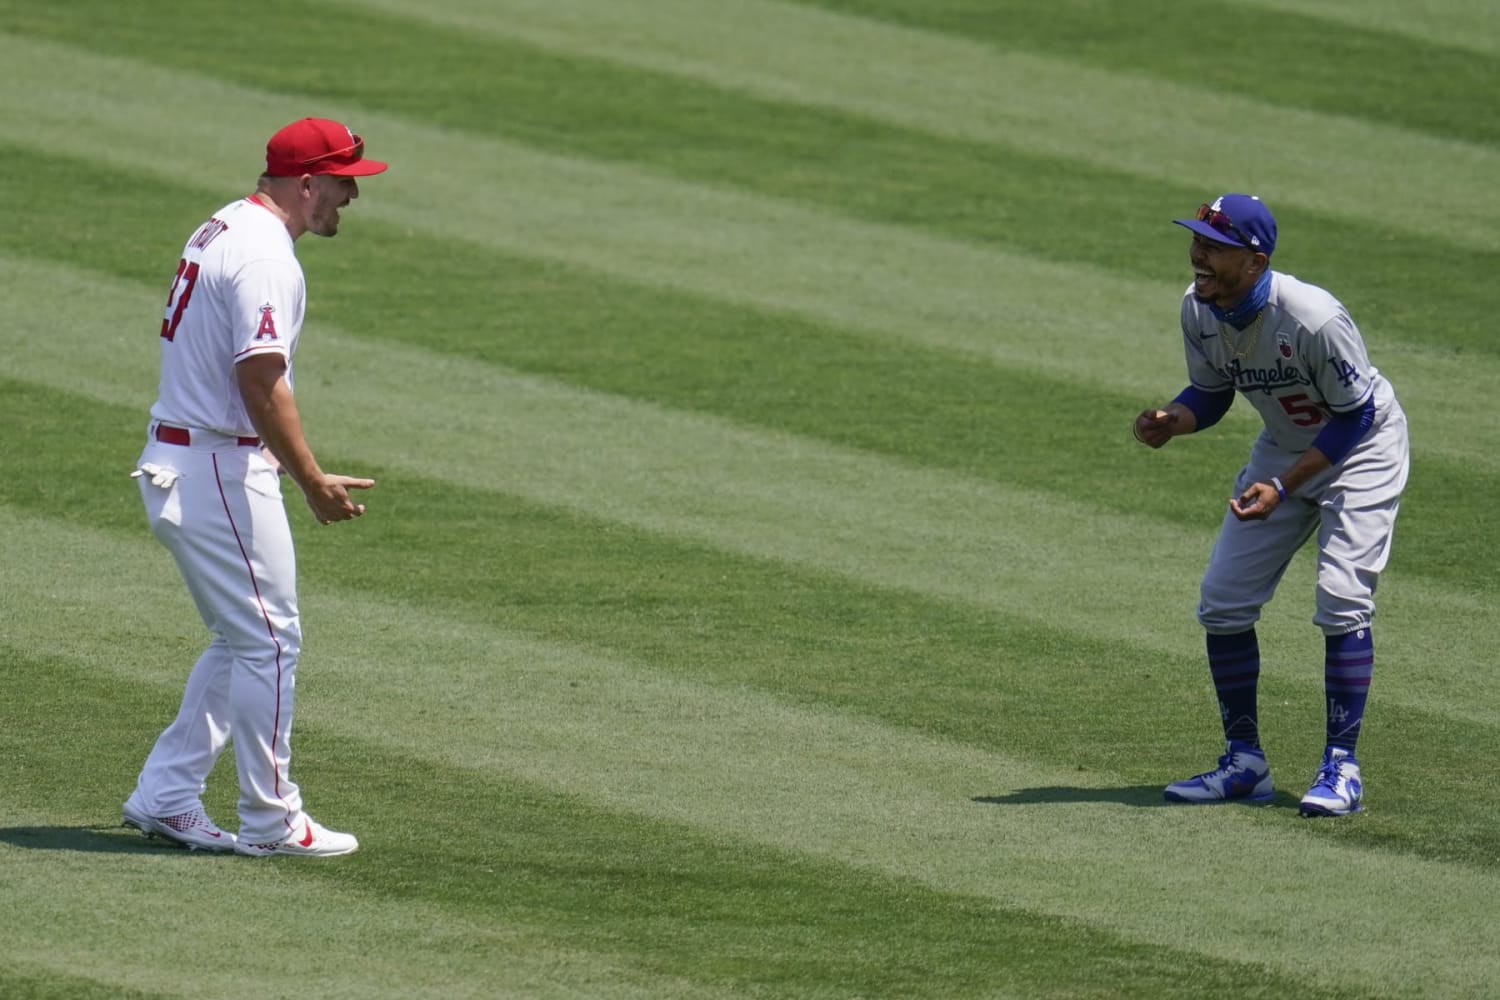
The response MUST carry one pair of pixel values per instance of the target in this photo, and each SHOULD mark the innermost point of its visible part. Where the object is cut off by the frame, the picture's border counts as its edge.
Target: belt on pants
(180, 435)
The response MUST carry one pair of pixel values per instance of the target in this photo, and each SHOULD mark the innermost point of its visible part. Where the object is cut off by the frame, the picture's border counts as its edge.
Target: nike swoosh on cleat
(1238, 785)
(307, 840)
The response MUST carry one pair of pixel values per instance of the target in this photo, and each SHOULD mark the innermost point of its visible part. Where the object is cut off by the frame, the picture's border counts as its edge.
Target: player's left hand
(1256, 503)
(329, 497)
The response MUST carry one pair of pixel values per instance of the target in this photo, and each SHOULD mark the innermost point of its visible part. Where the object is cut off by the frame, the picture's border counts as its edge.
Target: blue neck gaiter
(1243, 312)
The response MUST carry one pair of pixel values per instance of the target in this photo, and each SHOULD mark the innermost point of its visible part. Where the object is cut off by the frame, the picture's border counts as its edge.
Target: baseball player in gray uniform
(223, 424)
(1331, 462)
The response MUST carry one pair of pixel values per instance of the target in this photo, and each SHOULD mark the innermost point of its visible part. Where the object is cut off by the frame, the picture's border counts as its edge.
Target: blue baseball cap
(1237, 220)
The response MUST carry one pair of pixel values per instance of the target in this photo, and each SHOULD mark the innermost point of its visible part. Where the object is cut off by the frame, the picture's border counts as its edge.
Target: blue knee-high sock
(1349, 664)
(1234, 662)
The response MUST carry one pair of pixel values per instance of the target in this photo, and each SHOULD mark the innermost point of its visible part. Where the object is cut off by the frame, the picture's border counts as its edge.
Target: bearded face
(327, 196)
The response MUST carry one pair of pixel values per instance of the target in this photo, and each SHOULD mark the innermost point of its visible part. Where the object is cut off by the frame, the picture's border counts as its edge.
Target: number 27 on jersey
(177, 298)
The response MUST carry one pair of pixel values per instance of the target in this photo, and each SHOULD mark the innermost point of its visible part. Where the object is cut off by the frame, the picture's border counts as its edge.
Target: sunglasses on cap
(349, 154)
(1221, 222)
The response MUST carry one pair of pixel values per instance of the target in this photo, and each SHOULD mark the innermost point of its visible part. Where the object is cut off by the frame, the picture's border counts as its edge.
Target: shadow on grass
(1134, 795)
(1144, 796)
(85, 839)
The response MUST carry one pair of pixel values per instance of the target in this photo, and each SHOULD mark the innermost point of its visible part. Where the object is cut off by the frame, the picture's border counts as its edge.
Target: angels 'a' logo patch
(267, 328)
(1284, 345)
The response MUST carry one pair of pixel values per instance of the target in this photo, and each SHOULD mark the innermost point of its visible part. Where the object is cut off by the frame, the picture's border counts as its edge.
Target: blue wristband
(1280, 489)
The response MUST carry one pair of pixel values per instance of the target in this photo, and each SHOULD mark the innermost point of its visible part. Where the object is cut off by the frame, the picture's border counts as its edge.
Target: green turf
(22, 985)
(912, 661)
(554, 715)
(755, 921)
(761, 596)
(1296, 60)
(912, 404)
(1051, 207)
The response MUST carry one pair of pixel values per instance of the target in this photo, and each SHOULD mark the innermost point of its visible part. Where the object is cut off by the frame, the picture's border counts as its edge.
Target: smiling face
(1224, 274)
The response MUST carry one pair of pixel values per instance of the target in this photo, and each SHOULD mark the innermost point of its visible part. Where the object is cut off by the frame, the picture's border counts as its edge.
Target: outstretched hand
(329, 498)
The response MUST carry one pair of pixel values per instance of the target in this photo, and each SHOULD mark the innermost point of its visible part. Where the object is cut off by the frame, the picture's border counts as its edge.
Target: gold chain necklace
(1242, 348)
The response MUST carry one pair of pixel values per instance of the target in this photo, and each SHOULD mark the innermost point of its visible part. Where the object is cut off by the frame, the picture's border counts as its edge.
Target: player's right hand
(329, 498)
(1257, 502)
(1153, 427)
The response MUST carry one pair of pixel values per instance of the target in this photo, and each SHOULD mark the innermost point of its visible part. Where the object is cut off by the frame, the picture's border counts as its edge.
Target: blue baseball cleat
(1242, 776)
(1337, 790)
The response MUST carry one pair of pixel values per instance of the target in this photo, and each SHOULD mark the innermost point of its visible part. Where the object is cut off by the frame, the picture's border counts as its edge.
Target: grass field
(762, 596)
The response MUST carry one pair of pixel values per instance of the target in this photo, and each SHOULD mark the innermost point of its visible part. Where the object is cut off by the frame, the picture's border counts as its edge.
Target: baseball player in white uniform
(1331, 462)
(223, 425)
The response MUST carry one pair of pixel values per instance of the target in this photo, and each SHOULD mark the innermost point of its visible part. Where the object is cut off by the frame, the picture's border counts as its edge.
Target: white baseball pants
(216, 505)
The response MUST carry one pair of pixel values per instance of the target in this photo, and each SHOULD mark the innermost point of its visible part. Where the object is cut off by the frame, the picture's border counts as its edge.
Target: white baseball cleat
(193, 829)
(1338, 789)
(315, 841)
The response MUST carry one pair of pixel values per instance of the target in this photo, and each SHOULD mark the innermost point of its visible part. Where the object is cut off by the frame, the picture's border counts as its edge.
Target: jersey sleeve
(1339, 365)
(266, 301)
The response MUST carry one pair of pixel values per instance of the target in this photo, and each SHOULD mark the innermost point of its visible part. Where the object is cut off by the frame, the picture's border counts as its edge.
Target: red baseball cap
(318, 146)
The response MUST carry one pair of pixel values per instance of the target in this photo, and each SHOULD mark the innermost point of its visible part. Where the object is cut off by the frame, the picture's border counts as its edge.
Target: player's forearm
(1308, 464)
(280, 427)
(273, 412)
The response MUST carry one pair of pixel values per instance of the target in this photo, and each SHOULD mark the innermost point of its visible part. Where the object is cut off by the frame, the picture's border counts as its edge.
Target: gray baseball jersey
(1302, 360)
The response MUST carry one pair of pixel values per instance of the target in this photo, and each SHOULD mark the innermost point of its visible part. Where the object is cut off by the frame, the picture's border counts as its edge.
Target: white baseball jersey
(238, 292)
(1300, 361)
(215, 502)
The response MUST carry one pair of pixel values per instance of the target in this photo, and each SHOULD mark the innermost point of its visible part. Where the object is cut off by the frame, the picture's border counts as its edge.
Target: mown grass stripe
(659, 898)
(736, 248)
(1002, 683)
(1460, 24)
(955, 87)
(1046, 207)
(1302, 60)
(746, 365)
(620, 338)
(763, 495)
(766, 495)
(823, 784)
(882, 280)
(32, 982)
(194, 944)
(81, 895)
